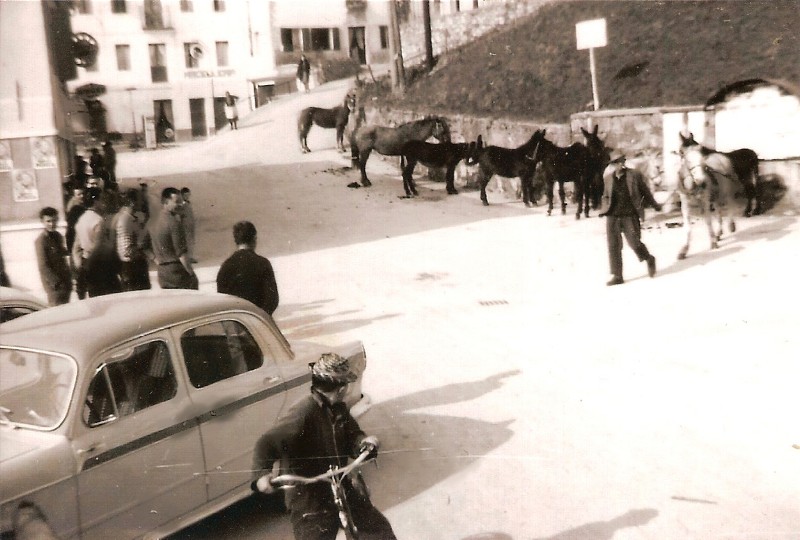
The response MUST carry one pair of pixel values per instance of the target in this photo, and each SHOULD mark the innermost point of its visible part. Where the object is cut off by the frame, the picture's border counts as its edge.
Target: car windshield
(35, 388)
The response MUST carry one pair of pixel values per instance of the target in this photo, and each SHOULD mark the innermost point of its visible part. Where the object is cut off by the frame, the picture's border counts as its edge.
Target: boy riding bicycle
(316, 433)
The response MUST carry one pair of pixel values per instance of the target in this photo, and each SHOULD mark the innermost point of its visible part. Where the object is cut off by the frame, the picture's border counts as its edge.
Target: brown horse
(336, 117)
(745, 167)
(390, 141)
(517, 162)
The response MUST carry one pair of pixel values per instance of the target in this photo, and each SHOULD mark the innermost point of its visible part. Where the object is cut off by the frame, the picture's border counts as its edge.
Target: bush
(339, 68)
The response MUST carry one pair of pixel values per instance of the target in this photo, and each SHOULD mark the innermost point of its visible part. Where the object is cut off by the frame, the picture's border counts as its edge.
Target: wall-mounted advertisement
(24, 185)
(6, 163)
(43, 153)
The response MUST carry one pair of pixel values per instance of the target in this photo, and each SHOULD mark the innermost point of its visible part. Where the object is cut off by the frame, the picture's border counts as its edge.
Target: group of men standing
(108, 243)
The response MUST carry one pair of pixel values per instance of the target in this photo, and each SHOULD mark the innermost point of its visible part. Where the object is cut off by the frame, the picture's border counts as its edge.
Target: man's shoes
(616, 280)
(651, 266)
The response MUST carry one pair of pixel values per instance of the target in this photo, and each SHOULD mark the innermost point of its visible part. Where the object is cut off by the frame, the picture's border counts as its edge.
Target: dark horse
(576, 163)
(517, 162)
(744, 162)
(439, 156)
(325, 118)
(390, 141)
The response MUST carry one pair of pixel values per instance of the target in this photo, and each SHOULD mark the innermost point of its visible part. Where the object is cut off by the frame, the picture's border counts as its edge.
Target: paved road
(516, 396)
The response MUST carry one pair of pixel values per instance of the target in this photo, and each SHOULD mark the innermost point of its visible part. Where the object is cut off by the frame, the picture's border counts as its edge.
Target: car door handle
(92, 449)
(271, 380)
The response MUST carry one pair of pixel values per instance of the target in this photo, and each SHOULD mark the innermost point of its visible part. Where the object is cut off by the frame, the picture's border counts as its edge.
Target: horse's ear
(594, 131)
(585, 133)
(544, 132)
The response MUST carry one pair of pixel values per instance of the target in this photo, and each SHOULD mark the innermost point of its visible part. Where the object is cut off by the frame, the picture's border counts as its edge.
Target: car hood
(31, 459)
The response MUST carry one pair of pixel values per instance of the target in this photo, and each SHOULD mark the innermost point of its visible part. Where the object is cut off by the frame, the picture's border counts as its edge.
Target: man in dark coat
(51, 255)
(625, 195)
(303, 71)
(247, 274)
(317, 432)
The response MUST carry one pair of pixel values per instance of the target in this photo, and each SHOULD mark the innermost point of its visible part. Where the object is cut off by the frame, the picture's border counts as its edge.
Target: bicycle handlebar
(286, 481)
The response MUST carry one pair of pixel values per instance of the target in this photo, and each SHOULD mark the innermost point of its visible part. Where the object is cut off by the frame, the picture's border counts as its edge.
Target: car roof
(82, 329)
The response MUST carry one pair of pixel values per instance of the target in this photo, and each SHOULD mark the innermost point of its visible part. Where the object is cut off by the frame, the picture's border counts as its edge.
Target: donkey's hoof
(714, 245)
(366, 183)
(452, 192)
(549, 212)
(681, 255)
(485, 203)
(577, 216)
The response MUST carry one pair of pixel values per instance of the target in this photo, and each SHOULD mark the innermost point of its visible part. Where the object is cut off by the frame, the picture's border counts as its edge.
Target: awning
(90, 91)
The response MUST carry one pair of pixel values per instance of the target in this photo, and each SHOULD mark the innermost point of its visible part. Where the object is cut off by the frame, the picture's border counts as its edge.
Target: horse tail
(354, 156)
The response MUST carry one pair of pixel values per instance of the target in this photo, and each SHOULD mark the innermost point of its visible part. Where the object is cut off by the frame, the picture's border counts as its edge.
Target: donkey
(517, 162)
(575, 163)
(444, 155)
(745, 168)
(336, 117)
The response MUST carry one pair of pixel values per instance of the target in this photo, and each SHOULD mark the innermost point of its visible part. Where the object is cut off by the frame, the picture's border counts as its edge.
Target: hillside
(658, 53)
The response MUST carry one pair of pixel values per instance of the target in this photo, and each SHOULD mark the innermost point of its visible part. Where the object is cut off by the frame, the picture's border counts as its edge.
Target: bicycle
(334, 476)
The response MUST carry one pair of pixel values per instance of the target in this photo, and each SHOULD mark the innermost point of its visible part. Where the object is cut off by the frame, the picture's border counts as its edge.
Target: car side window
(218, 351)
(142, 379)
(9, 313)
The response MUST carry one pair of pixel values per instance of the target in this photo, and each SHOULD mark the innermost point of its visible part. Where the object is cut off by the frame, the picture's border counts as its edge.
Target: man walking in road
(303, 72)
(625, 195)
(169, 245)
(247, 274)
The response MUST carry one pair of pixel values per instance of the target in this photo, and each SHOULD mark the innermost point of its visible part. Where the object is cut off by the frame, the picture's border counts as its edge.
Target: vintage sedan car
(135, 414)
(16, 303)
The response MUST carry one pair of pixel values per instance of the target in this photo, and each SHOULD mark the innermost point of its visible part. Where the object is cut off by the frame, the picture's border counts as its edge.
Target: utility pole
(396, 51)
(426, 20)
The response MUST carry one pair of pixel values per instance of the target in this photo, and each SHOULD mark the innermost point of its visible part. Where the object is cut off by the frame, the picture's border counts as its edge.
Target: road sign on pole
(591, 34)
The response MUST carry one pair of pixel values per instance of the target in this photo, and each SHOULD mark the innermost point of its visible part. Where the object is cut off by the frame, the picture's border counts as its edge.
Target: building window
(186, 6)
(123, 57)
(384, 37)
(158, 62)
(320, 39)
(118, 6)
(222, 53)
(83, 7)
(287, 43)
(219, 5)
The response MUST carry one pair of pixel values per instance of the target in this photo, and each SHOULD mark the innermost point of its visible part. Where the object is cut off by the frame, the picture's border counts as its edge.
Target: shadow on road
(605, 530)
(769, 230)
(420, 450)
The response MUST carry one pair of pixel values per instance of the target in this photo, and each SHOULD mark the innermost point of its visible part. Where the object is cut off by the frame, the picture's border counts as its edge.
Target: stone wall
(453, 31)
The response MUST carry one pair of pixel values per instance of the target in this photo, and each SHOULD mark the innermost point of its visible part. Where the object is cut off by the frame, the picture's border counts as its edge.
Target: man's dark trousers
(616, 226)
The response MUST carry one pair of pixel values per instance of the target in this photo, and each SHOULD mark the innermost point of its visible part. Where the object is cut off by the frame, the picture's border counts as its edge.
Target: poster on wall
(43, 153)
(6, 163)
(24, 186)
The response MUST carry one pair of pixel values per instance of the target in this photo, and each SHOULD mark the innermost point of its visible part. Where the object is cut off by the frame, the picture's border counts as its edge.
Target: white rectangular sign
(591, 34)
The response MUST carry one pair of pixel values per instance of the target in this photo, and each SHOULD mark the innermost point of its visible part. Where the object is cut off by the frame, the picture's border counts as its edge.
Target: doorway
(165, 123)
(219, 113)
(357, 41)
(197, 112)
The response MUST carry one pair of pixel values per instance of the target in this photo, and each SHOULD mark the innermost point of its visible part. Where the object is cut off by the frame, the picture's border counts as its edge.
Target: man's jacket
(637, 187)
